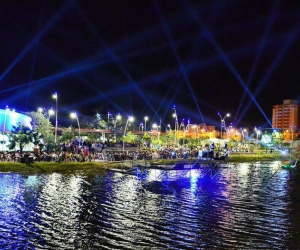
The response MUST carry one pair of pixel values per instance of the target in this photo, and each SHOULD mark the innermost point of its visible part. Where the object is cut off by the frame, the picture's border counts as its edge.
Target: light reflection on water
(246, 206)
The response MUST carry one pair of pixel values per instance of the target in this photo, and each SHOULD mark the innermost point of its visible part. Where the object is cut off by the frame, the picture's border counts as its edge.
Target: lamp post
(182, 125)
(55, 96)
(169, 127)
(223, 121)
(245, 133)
(129, 119)
(257, 134)
(50, 112)
(141, 126)
(74, 115)
(146, 119)
(6, 110)
(108, 115)
(176, 125)
(118, 117)
(292, 134)
(155, 126)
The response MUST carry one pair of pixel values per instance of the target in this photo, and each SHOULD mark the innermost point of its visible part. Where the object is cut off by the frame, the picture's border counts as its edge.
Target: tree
(21, 136)
(129, 137)
(67, 134)
(42, 125)
(146, 137)
(101, 123)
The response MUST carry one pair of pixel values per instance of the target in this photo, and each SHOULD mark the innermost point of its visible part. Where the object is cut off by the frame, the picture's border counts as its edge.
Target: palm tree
(21, 136)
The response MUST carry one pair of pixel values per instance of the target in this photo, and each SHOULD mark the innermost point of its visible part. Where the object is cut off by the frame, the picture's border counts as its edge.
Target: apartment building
(286, 115)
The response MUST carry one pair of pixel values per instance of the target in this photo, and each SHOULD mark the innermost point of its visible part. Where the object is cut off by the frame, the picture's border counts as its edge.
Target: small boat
(289, 164)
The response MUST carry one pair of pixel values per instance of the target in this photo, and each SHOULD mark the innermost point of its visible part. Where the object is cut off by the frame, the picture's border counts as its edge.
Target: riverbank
(43, 167)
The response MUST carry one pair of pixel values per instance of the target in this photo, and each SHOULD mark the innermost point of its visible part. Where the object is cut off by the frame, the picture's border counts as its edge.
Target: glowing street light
(50, 112)
(257, 134)
(243, 132)
(74, 115)
(292, 132)
(169, 127)
(129, 119)
(108, 116)
(223, 121)
(176, 125)
(146, 119)
(55, 96)
(182, 125)
(155, 126)
(6, 110)
(118, 117)
(141, 126)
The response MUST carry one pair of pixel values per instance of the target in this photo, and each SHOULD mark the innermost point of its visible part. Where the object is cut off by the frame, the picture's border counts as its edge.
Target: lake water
(246, 206)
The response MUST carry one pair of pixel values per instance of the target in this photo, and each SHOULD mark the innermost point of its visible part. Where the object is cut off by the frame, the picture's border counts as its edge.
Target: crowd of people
(75, 151)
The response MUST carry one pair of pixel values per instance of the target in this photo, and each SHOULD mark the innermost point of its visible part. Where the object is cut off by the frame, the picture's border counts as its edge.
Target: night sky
(142, 57)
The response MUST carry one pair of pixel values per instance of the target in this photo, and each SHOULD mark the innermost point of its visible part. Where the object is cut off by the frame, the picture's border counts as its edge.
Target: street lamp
(118, 117)
(182, 125)
(257, 134)
(292, 132)
(50, 112)
(74, 115)
(146, 119)
(141, 126)
(155, 126)
(169, 127)
(245, 133)
(176, 125)
(6, 110)
(223, 121)
(109, 115)
(55, 96)
(129, 119)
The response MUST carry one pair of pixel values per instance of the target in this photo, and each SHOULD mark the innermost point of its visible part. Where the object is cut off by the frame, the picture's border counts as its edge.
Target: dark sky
(143, 57)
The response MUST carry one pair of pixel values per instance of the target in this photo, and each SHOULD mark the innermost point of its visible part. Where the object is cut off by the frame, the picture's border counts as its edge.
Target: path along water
(247, 206)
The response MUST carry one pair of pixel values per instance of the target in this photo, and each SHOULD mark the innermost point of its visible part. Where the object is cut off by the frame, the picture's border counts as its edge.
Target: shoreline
(48, 167)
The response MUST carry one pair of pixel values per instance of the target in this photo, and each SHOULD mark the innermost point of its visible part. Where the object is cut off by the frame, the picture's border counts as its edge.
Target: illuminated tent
(8, 119)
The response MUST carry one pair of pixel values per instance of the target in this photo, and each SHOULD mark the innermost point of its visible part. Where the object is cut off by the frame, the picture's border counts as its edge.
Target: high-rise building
(286, 115)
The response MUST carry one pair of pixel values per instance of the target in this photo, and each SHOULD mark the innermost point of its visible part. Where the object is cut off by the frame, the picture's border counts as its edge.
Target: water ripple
(247, 206)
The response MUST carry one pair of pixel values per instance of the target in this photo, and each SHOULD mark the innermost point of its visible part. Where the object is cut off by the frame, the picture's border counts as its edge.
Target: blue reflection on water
(250, 206)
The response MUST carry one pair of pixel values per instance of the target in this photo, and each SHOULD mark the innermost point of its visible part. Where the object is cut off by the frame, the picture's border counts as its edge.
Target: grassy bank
(43, 167)
(96, 166)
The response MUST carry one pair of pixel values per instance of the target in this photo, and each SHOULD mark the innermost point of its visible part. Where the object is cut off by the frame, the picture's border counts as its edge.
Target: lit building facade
(286, 115)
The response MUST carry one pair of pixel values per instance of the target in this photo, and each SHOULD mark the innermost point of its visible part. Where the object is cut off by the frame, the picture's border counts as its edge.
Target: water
(246, 206)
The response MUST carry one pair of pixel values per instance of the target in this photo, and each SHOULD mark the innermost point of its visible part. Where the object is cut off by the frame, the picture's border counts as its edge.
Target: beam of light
(42, 82)
(74, 69)
(291, 38)
(116, 60)
(217, 7)
(87, 83)
(35, 39)
(189, 66)
(182, 69)
(227, 62)
(34, 55)
(258, 56)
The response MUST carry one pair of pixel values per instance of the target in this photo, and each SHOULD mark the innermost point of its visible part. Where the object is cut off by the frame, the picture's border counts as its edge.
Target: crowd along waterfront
(247, 206)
